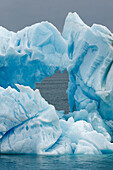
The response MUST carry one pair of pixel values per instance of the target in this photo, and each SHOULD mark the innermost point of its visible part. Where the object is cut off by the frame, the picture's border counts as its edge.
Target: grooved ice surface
(32, 125)
(31, 54)
(91, 52)
(28, 124)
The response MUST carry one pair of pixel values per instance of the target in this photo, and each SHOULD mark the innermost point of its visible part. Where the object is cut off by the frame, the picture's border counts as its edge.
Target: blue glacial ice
(28, 124)
(31, 54)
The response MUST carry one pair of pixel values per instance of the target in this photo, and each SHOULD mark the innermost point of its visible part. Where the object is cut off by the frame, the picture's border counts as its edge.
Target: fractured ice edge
(28, 124)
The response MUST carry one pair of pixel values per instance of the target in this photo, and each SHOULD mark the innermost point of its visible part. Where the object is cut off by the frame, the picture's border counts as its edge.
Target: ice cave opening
(53, 90)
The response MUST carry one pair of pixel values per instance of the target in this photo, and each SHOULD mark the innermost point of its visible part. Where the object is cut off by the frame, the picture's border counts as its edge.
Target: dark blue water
(54, 91)
(30, 162)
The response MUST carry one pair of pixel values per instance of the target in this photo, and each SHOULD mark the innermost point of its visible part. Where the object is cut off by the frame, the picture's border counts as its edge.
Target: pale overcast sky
(16, 14)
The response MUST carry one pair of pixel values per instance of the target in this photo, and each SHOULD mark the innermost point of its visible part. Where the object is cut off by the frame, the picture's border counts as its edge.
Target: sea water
(67, 162)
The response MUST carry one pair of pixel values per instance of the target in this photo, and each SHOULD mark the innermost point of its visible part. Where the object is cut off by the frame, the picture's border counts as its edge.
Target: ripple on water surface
(70, 162)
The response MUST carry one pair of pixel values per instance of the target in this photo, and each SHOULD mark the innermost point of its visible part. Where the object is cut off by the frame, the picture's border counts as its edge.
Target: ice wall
(90, 71)
(91, 52)
(31, 54)
(28, 124)
(32, 125)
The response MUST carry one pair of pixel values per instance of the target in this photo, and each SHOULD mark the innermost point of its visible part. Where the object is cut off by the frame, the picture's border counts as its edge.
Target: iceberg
(31, 54)
(91, 52)
(28, 124)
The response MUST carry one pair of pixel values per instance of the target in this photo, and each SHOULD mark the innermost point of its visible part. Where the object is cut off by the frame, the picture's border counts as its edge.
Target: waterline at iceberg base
(28, 124)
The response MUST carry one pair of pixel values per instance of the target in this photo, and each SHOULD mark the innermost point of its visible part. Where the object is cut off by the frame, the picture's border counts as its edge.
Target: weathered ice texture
(31, 54)
(32, 125)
